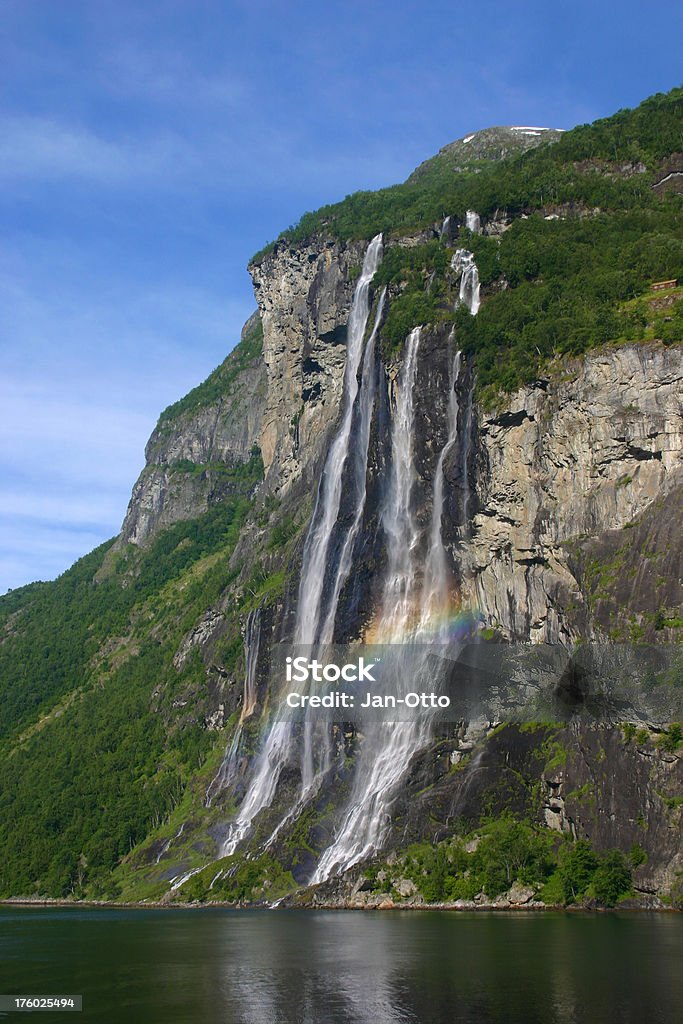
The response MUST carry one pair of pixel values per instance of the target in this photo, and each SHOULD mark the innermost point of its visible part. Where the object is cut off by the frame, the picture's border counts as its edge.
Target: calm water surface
(289, 967)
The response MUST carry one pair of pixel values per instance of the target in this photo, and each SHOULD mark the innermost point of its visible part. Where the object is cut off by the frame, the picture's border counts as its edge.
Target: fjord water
(264, 967)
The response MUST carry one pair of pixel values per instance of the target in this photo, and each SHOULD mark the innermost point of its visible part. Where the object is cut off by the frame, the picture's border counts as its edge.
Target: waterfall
(312, 602)
(397, 518)
(472, 221)
(445, 226)
(388, 747)
(359, 467)
(314, 565)
(228, 768)
(463, 264)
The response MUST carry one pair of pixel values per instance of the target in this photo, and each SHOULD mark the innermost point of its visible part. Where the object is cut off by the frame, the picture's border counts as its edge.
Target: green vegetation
(672, 738)
(218, 384)
(561, 286)
(95, 749)
(584, 167)
(506, 851)
(234, 880)
(570, 282)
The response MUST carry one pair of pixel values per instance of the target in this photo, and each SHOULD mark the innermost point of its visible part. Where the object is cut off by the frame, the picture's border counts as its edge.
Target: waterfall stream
(473, 221)
(317, 602)
(388, 747)
(416, 589)
(463, 264)
(228, 768)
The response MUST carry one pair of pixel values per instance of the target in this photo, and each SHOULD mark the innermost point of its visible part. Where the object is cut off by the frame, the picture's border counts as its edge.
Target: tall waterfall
(317, 737)
(389, 746)
(313, 569)
(317, 601)
(463, 264)
(435, 589)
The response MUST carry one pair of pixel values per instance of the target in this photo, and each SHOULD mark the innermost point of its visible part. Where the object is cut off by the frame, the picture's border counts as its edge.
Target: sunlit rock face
(569, 458)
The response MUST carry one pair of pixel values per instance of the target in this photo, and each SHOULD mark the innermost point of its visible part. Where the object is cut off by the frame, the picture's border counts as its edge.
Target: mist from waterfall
(388, 747)
(317, 600)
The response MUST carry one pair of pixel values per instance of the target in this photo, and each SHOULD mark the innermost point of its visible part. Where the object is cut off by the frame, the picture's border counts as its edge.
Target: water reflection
(348, 968)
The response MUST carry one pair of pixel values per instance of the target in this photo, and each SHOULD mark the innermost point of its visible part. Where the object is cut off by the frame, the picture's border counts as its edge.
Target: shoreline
(385, 906)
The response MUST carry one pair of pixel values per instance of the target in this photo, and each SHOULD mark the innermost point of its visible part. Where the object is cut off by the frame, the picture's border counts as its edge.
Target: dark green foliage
(637, 855)
(569, 282)
(416, 279)
(672, 738)
(506, 851)
(578, 864)
(572, 170)
(513, 851)
(82, 789)
(612, 879)
(261, 878)
(408, 310)
(217, 384)
(77, 797)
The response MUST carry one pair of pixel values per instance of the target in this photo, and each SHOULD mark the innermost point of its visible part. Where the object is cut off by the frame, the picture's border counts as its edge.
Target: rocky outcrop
(621, 788)
(592, 449)
(304, 294)
(198, 443)
(569, 458)
(487, 144)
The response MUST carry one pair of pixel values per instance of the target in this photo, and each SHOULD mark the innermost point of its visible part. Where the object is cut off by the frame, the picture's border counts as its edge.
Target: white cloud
(40, 148)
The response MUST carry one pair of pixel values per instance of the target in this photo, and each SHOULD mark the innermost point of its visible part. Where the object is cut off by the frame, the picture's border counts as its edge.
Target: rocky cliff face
(568, 459)
(304, 295)
(198, 442)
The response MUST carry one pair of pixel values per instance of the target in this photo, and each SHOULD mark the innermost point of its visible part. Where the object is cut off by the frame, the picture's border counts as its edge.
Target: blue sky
(148, 149)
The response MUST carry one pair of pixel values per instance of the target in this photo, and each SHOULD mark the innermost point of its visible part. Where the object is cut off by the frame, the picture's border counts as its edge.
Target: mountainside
(457, 413)
(498, 143)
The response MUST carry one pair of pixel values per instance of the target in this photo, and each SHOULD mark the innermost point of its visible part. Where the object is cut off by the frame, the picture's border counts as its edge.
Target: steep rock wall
(569, 458)
(187, 456)
(304, 295)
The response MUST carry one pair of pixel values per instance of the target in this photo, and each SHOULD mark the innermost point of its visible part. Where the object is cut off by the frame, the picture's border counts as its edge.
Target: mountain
(456, 413)
(490, 144)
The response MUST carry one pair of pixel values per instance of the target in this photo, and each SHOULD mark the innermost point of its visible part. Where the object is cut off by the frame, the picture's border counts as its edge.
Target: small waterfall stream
(472, 221)
(463, 264)
(228, 769)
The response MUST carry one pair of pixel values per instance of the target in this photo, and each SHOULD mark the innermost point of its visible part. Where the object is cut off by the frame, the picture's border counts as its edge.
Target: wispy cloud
(48, 148)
